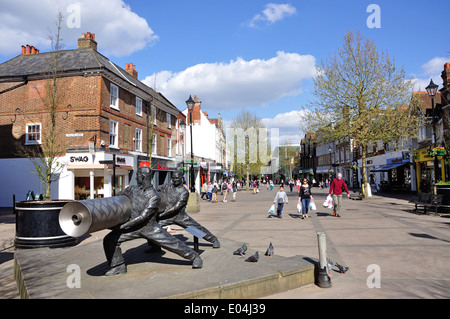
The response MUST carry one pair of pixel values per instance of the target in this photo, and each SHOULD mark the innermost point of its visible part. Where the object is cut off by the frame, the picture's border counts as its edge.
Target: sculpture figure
(176, 196)
(143, 223)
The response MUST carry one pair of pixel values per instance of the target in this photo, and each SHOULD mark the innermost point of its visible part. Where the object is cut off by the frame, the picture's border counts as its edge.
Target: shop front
(162, 169)
(398, 172)
(94, 175)
(425, 169)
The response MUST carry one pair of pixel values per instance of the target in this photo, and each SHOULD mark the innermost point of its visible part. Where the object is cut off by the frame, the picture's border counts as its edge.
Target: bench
(428, 200)
(422, 200)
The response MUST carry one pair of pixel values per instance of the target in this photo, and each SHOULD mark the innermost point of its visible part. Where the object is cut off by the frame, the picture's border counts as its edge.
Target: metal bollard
(324, 280)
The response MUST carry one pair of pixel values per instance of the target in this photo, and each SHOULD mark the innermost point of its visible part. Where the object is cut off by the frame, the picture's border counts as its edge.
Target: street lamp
(432, 90)
(190, 104)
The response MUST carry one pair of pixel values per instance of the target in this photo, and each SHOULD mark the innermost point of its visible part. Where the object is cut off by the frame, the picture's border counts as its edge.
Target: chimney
(87, 41)
(446, 75)
(131, 70)
(29, 49)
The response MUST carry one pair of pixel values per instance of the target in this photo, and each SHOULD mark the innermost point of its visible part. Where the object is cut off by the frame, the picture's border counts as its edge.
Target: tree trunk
(365, 187)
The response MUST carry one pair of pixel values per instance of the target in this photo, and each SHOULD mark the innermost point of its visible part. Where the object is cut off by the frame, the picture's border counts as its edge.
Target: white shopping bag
(312, 205)
(272, 209)
(299, 207)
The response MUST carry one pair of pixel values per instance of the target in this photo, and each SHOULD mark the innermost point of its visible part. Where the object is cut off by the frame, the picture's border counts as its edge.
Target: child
(280, 199)
(215, 190)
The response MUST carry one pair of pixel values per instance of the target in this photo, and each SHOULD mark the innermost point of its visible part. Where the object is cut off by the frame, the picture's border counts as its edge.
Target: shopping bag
(299, 207)
(272, 210)
(312, 205)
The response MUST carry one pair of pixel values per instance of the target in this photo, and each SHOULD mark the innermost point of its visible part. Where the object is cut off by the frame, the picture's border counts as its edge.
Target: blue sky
(258, 55)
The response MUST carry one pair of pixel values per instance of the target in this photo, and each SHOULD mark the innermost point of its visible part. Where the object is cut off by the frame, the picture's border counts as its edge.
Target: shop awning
(388, 167)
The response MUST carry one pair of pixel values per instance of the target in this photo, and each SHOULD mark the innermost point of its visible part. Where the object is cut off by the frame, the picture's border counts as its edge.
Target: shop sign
(79, 159)
(159, 166)
(422, 155)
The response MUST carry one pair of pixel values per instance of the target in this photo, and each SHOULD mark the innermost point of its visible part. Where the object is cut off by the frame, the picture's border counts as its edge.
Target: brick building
(104, 112)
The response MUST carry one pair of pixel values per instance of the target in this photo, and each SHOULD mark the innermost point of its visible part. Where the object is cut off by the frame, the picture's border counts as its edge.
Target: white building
(208, 144)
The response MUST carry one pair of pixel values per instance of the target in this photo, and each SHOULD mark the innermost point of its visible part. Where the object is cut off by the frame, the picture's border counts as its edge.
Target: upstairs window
(114, 101)
(33, 134)
(138, 139)
(113, 134)
(138, 106)
(168, 120)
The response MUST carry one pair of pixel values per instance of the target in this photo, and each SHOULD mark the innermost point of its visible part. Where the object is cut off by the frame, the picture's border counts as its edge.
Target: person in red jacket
(336, 189)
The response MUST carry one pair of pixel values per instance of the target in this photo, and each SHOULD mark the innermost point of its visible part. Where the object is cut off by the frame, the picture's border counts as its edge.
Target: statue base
(193, 204)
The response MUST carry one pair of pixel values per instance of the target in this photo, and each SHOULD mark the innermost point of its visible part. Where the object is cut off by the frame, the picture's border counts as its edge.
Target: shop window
(83, 190)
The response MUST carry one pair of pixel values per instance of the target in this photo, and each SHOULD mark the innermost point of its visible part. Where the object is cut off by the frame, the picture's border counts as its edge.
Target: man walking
(336, 189)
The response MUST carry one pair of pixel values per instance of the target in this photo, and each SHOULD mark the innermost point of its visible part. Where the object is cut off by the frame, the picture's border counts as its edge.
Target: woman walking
(305, 197)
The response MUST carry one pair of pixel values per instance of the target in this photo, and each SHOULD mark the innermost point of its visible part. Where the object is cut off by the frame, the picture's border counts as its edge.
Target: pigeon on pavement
(342, 269)
(253, 258)
(269, 251)
(241, 250)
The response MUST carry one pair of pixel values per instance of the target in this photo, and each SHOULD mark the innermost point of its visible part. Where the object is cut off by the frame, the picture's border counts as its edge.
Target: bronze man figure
(177, 196)
(143, 224)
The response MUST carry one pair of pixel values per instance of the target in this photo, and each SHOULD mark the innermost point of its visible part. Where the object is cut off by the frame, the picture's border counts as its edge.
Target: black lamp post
(432, 89)
(190, 104)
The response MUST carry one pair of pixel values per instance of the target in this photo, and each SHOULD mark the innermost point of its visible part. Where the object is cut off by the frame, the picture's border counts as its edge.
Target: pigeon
(342, 269)
(330, 264)
(253, 258)
(269, 251)
(241, 250)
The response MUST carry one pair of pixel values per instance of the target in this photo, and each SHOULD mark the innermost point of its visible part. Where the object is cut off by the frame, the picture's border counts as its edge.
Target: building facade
(109, 122)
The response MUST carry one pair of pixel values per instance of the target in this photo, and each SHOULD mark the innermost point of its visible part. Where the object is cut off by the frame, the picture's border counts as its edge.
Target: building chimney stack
(29, 49)
(87, 41)
(445, 75)
(131, 70)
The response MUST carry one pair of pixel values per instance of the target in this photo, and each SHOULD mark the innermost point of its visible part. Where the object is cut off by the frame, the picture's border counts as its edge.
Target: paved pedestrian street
(380, 239)
(391, 252)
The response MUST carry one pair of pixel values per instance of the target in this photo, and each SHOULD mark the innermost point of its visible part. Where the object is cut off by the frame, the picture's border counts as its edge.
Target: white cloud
(288, 124)
(432, 69)
(272, 13)
(239, 83)
(119, 31)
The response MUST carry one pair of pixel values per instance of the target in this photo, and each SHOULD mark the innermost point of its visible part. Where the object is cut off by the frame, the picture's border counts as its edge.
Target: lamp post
(183, 129)
(432, 89)
(190, 104)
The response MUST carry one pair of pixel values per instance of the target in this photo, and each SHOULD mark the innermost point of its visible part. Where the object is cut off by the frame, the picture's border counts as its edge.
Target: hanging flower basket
(331, 172)
(354, 167)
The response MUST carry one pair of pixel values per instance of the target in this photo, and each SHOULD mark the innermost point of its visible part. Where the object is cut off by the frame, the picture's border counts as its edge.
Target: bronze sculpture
(143, 223)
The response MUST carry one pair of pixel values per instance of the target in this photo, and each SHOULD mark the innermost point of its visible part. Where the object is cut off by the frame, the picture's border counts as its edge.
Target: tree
(360, 95)
(45, 156)
(247, 144)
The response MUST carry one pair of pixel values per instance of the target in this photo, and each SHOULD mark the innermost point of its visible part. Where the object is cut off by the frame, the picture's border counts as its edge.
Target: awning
(388, 167)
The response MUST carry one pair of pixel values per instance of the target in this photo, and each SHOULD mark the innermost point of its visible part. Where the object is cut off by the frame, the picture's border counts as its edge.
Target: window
(154, 144)
(113, 134)
(33, 134)
(138, 140)
(153, 115)
(168, 119)
(138, 106)
(114, 103)
(169, 147)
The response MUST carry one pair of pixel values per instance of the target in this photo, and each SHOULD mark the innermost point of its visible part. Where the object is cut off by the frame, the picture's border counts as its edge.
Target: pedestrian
(298, 184)
(271, 185)
(336, 189)
(280, 199)
(234, 190)
(214, 192)
(255, 187)
(291, 184)
(305, 197)
(209, 190)
(224, 190)
(204, 190)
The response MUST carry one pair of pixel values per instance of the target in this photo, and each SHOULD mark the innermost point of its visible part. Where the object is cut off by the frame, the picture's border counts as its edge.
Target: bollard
(324, 280)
